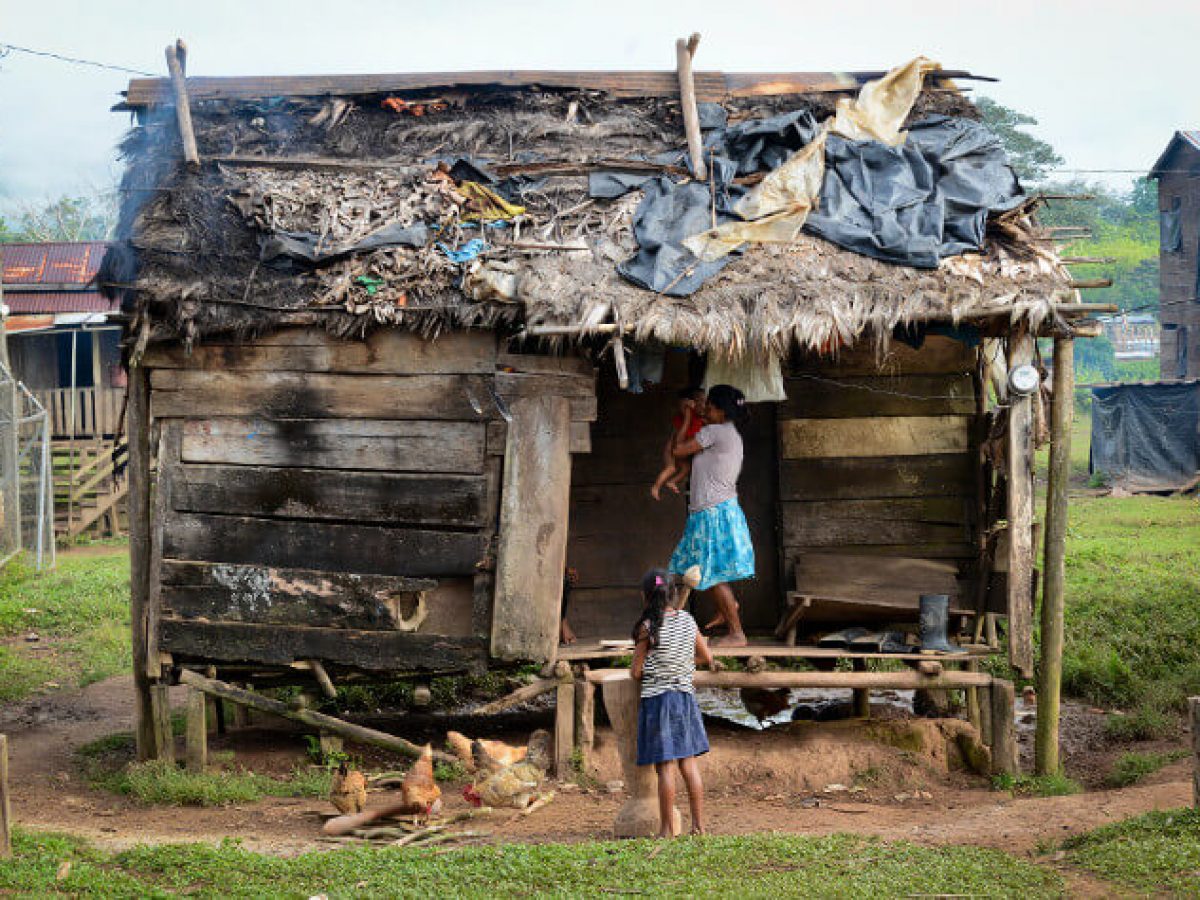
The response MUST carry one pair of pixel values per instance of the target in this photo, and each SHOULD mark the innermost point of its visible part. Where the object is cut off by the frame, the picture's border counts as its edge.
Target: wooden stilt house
(375, 412)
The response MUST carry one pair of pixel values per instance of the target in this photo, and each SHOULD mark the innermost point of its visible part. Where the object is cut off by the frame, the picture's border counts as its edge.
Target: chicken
(516, 785)
(763, 703)
(419, 790)
(348, 792)
(491, 754)
(460, 745)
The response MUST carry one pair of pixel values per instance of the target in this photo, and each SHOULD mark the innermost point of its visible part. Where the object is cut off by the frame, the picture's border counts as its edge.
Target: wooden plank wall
(324, 498)
(878, 459)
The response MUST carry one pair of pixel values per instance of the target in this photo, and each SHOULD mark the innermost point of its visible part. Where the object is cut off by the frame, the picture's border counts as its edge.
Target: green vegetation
(1130, 768)
(758, 866)
(162, 782)
(80, 613)
(1058, 785)
(1158, 852)
(1132, 635)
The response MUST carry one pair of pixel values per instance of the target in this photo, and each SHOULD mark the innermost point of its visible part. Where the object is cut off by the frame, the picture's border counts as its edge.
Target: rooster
(763, 703)
(348, 791)
(419, 790)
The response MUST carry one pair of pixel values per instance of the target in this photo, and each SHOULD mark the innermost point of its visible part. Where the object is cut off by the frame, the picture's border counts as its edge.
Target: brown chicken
(516, 785)
(493, 754)
(348, 792)
(762, 703)
(419, 790)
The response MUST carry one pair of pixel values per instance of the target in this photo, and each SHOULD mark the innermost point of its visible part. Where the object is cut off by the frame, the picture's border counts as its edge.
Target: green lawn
(758, 866)
(80, 612)
(1158, 852)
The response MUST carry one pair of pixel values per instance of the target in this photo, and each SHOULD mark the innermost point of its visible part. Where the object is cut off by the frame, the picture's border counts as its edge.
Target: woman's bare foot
(654, 492)
(716, 622)
(565, 634)
(738, 639)
(674, 486)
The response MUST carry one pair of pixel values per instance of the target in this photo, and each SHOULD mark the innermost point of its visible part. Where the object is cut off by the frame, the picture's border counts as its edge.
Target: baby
(684, 427)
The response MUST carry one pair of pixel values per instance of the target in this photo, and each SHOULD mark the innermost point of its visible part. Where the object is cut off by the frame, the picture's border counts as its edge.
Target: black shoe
(935, 616)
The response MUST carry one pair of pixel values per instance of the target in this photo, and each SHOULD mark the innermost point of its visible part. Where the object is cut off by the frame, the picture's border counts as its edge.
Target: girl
(716, 537)
(670, 731)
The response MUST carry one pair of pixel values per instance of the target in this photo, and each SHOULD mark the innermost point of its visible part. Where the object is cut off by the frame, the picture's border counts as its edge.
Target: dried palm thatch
(190, 261)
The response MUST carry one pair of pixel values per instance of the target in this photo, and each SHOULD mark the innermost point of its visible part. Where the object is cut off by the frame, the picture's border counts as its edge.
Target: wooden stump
(160, 709)
(5, 821)
(196, 734)
(564, 723)
(1004, 735)
(638, 817)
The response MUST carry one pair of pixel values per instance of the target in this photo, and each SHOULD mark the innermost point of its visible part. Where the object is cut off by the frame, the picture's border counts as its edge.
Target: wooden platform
(765, 647)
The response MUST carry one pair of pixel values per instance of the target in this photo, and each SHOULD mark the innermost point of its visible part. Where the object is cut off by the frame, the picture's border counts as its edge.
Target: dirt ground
(804, 778)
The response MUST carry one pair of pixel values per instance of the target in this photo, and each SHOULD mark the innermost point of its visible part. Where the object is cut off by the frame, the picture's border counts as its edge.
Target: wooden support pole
(1020, 511)
(862, 696)
(5, 809)
(1004, 735)
(241, 714)
(520, 695)
(359, 733)
(1194, 721)
(585, 718)
(685, 52)
(1046, 757)
(323, 679)
(895, 681)
(138, 423)
(196, 733)
(176, 58)
(564, 722)
(973, 707)
(164, 735)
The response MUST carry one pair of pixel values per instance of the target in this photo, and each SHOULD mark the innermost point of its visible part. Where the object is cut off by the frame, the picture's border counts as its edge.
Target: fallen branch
(520, 695)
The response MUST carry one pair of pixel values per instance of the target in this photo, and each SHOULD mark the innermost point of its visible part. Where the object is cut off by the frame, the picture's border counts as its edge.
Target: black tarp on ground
(1146, 437)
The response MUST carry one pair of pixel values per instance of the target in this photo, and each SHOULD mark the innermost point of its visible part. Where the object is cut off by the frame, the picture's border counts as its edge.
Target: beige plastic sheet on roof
(775, 210)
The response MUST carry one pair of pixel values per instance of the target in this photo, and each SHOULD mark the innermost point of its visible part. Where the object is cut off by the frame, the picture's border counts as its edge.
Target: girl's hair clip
(658, 582)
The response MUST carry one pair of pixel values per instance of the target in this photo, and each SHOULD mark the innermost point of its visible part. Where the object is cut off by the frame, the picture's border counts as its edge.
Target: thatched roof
(344, 166)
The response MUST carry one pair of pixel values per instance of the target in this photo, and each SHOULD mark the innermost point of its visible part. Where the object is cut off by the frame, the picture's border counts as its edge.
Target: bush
(1145, 724)
(1058, 785)
(1130, 768)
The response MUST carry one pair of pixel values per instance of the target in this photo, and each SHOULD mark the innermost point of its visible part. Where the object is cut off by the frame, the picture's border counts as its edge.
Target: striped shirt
(670, 665)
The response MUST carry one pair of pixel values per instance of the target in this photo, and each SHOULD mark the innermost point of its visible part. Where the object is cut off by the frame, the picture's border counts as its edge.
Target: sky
(1109, 82)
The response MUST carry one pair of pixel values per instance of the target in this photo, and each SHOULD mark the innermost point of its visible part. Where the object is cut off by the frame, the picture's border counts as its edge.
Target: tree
(87, 217)
(1032, 158)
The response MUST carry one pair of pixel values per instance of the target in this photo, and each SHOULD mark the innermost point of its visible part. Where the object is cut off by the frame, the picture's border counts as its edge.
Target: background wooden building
(1178, 174)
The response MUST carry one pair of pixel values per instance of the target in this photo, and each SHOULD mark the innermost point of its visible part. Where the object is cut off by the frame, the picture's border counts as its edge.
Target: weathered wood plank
(534, 511)
(623, 510)
(263, 594)
(580, 390)
(375, 651)
(874, 436)
(943, 510)
(935, 475)
(580, 437)
(383, 352)
(169, 443)
(406, 446)
(619, 460)
(878, 578)
(188, 393)
(821, 397)
(366, 549)
(801, 531)
(940, 550)
(1020, 514)
(286, 493)
(938, 355)
(545, 365)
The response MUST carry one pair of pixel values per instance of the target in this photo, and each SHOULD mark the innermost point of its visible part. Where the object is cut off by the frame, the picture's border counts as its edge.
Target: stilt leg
(1004, 738)
(160, 709)
(862, 696)
(564, 723)
(196, 735)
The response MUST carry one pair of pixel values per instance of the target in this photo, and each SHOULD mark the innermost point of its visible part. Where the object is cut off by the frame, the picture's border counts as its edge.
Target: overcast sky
(1109, 81)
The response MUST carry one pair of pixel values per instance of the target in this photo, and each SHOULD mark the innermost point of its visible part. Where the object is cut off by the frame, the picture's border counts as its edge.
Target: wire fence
(26, 475)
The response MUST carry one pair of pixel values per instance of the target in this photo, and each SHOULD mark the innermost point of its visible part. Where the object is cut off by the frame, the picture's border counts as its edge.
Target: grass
(80, 612)
(1130, 768)
(1058, 785)
(757, 866)
(1158, 852)
(163, 783)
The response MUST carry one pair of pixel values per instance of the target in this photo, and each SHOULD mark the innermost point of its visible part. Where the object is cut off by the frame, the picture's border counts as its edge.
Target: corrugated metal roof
(52, 263)
(25, 303)
(1189, 137)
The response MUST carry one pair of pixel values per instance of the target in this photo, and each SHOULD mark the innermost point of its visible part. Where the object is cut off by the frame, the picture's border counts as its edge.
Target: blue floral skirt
(717, 540)
(669, 727)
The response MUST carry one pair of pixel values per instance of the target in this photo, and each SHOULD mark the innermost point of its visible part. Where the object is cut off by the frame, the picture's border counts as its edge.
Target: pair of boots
(934, 622)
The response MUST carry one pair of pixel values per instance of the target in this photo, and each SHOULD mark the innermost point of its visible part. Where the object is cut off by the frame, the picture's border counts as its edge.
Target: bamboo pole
(359, 733)
(897, 681)
(176, 58)
(5, 811)
(685, 51)
(1046, 758)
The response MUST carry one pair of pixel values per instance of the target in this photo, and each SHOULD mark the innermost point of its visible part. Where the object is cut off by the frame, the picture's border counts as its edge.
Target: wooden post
(564, 721)
(164, 736)
(176, 58)
(1020, 511)
(1004, 736)
(1054, 581)
(5, 811)
(585, 718)
(685, 51)
(974, 715)
(241, 714)
(638, 816)
(1194, 721)
(196, 733)
(862, 696)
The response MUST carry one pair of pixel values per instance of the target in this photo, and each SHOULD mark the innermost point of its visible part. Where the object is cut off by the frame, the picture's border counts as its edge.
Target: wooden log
(685, 51)
(160, 708)
(534, 511)
(1046, 755)
(327, 546)
(1004, 734)
(820, 397)
(898, 681)
(5, 807)
(322, 494)
(874, 436)
(371, 445)
(932, 475)
(176, 55)
(372, 651)
(357, 733)
(137, 414)
(564, 724)
(196, 733)
(241, 714)
(196, 394)
(1194, 722)
(521, 695)
(585, 718)
(1020, 513)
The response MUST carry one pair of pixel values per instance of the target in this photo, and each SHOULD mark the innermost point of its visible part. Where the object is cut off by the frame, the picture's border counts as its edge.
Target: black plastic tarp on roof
(1146, 437)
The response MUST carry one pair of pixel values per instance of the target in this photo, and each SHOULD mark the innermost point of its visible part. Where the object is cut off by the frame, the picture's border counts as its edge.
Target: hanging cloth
(761, 380)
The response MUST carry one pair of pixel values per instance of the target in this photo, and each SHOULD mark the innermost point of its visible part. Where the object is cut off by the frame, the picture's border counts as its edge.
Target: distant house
(1132, 336)
(64, 349)
(1178, 174)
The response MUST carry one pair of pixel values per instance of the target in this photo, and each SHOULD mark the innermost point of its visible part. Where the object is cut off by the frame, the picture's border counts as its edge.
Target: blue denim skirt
(669, 727)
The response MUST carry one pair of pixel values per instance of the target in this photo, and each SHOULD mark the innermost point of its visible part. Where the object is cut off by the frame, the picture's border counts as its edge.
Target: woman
(716, 537)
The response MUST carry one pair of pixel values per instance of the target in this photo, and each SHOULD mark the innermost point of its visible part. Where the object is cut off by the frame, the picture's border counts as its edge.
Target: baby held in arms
(687, 422)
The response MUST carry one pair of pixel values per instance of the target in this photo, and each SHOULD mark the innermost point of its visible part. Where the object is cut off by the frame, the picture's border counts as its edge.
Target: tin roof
(1191, 138)
(25, 303)
(52, 263)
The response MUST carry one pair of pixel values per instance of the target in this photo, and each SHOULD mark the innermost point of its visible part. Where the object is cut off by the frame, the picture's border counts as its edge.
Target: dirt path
(50, 792)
